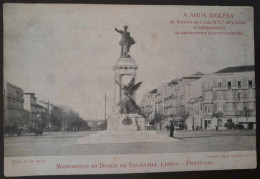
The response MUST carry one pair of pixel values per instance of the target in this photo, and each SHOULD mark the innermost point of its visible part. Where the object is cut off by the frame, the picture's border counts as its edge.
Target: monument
(125, 124)
(126, 113)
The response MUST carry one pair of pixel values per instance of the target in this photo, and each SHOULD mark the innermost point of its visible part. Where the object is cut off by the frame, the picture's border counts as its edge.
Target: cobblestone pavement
(63, 143)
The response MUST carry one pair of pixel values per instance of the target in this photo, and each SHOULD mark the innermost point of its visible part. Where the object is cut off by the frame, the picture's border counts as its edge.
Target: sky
(65, 53)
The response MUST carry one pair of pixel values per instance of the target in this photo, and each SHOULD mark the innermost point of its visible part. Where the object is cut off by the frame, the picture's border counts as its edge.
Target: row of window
(14, 103)
(180, 91)
(150, 96)
(220, 107)
(220, 84)
(14, 113)
(239, 84)
(229, 107)
(195, 109)
(229, 95)
(14, 92)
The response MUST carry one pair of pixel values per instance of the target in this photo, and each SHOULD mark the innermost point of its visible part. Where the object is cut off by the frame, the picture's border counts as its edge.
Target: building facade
(181, 91)
(30, 109)
(171, 99)
(195, 120)
(218, 100)
(148, 104)
(229, 97)
(13, 105)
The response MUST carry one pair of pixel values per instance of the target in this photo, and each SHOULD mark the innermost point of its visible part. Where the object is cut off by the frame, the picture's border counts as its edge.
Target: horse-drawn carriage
(38, 130)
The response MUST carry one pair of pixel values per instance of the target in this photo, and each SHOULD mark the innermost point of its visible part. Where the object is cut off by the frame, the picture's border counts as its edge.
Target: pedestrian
(167, 127)
(172, 130)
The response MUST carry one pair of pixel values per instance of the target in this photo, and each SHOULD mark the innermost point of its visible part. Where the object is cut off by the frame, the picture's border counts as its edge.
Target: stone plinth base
(103, 137)
(129, 122)
(125, 129)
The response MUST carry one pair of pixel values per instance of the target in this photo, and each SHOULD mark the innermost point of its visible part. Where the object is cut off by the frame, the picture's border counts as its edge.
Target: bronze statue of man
(125, 42)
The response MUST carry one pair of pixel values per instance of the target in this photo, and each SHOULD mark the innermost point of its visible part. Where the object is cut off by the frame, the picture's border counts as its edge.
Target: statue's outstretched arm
(119, 31)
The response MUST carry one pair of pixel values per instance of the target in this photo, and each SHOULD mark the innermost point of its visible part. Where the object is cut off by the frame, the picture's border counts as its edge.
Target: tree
(103, 125)
(56, 117)
(181, 112)
(146, 114)
(158, 117)
(79, 123)
(247, 112)
(44, 118)
(65, 117)
(238, 114)
(185, 116)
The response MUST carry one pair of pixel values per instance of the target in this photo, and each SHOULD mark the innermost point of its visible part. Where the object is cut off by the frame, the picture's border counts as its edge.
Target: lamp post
(105, 111)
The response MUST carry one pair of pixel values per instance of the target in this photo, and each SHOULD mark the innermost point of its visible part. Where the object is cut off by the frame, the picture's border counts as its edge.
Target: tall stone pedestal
(124, 71)
(117, 122)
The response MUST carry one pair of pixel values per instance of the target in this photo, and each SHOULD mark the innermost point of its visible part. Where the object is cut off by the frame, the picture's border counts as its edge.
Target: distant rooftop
(153, 91)
(237, 69)
(198, 74)
(192, 77)
(30, 94)
(173, 82)
(14, 86)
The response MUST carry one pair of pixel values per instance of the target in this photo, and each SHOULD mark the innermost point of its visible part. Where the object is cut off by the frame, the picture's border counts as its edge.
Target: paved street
(63, 143)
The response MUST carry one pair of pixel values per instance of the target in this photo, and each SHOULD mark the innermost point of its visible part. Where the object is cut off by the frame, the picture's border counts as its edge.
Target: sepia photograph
(94, 89)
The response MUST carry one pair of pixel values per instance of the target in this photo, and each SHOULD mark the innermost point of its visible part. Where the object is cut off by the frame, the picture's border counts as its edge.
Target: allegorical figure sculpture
(128, 105)
(125, 42)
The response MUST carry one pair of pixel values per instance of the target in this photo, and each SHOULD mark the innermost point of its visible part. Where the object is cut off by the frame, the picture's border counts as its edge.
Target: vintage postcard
(107, 89)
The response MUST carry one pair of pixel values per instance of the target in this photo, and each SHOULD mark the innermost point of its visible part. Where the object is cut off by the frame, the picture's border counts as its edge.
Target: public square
(63, 143)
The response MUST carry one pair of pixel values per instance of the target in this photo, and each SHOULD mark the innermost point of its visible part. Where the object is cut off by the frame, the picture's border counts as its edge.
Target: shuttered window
(229, 84)
(239, 84)
(250, 83)
(230, 107)
(239, 96)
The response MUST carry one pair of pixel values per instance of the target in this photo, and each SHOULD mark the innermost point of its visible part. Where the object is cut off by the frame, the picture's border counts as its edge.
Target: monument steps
(125, 137)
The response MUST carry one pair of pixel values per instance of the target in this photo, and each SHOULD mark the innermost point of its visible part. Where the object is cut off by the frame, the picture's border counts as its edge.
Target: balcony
(222, 88)
(208, 101)
(17, 98)
(242, 87)
(207, 88)
(207, 114)
(229, 113)
(220, 100)
(15, 108)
